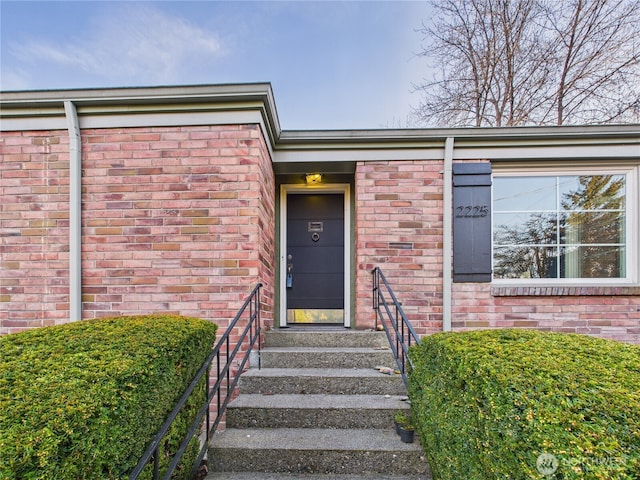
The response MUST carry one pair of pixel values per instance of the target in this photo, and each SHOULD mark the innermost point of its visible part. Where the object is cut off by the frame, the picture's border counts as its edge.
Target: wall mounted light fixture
(313, 177)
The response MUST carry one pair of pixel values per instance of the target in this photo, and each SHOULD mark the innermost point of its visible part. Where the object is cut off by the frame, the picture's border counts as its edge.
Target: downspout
(447, 233)
(75, 212)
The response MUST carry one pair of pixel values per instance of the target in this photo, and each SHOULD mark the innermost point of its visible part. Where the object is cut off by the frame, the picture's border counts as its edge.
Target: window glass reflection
(559, 226)
(524, 193)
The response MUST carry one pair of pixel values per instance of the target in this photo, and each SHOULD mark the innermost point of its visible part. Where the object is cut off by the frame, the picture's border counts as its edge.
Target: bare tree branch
(531, 62)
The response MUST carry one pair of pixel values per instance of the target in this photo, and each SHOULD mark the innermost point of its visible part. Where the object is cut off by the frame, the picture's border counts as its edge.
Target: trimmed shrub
(83, 400)
(519, 404)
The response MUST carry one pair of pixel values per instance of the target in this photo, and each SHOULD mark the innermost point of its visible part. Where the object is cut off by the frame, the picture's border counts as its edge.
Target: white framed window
(569, 226)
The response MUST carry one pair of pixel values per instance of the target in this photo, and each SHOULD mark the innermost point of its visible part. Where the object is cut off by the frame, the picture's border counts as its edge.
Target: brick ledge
(562, 291)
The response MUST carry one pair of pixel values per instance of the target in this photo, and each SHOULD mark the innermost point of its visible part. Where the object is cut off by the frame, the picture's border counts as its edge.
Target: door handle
(289, 272)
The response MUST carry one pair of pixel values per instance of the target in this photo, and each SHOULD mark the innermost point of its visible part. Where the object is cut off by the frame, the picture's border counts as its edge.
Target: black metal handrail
(400, 333)
(224, 385)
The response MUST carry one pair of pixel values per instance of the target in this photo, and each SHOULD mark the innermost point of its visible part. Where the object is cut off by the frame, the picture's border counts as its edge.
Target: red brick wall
(615, 315)
(34, 229)
(174, 219)
(399, 229)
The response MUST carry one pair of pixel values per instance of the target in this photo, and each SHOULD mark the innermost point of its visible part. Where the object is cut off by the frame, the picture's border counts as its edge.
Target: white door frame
(343, 188)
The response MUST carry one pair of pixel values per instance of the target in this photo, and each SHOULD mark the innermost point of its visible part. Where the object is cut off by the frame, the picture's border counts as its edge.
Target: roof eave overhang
(496, 144)
(144, 106)
(253, 103)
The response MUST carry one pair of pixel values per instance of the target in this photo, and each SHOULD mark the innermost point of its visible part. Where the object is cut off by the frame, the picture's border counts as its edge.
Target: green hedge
(82, 400)
(514, 404)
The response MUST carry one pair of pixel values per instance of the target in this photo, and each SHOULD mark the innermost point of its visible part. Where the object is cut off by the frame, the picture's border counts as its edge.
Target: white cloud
(133, 44)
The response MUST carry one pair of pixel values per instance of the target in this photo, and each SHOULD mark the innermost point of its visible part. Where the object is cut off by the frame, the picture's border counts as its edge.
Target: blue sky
(331, 64)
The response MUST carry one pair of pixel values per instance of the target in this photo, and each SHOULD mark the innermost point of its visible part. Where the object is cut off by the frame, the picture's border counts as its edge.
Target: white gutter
(75, 212)
(447, 233)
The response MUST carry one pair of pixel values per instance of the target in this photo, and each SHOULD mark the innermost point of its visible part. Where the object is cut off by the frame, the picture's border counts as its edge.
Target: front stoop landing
(317, 409)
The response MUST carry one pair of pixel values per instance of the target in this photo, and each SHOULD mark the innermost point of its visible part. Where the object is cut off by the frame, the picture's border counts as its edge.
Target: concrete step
(310, 476)
(314, 411)
(316, 451)
(315, 338)
(317, 410)
(326, 357)
(338, 381)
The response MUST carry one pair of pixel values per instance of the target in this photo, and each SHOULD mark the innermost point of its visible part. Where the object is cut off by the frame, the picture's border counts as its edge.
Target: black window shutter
(471, 222)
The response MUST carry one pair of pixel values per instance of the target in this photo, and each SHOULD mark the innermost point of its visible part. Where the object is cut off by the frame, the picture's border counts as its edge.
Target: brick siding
(478, 306)
(399, 229)
(34, 229)
(175, 219)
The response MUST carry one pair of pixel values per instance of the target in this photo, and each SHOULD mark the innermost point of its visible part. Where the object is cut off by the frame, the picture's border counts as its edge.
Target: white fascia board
(26, 124)
(486, 135)
(464, 152)
(169, 119)
(357, 155)
(139, 95)
(555, 152)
